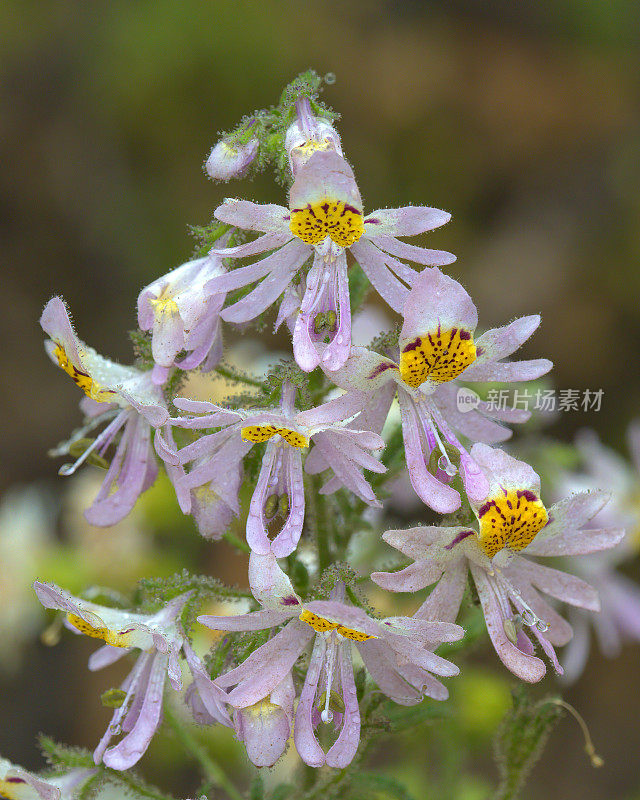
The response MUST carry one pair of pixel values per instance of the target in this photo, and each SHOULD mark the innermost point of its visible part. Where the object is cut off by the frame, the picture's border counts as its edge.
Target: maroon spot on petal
(290, 601)
(372, 221)
(465, 335)
(530, 496)
(483, 510)
(479, 351)
(380, 369)
(462, 535)
(412, 345)
(15, 780)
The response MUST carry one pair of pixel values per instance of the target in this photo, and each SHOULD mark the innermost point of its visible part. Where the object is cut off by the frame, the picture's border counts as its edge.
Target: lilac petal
(504, 471)
(243, 276)
(560, 585)
(527, 667)
(344, 466)
(337, 410)
(559, 631)
(137, 458)
(428, 631)
(343, 750)
(287, 539)
(270, 585)
(106, 655)
(573, 543)
(424, 541)
(253, 217)
(571, 513)
(508, 371)
(304, 737)
(212, 697)
(267, 666)
(19, 779)
(381, 665)
(499, 343)
(56, 323)
(419, 255)
(444, 600)
(410, 579)
(254, 621)
(436, 495)
(436, 300)
(474, 425)
(265, 727)
(407, 221)
(326, 175)
(130, 749)
(269, 241)
(417, 655)
(292, 257)
(256, 531)
(168, 337)
(388, 286)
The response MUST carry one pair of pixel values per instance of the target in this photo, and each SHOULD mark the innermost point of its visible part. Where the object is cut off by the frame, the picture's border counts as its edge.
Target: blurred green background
(521, 118)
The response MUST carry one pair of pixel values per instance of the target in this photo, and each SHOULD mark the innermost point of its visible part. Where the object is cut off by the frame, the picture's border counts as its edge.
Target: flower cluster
(297, 676)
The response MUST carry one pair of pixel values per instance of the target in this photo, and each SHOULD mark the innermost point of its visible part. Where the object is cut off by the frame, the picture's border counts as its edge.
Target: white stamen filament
(527, 616)
(104, 438)
(327, 715)
(449, 467)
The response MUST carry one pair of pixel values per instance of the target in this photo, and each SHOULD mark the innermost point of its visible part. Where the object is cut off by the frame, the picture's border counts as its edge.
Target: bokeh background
(522, 119)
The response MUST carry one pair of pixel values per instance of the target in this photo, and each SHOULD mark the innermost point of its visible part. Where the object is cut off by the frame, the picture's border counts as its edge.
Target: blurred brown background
(521, 118)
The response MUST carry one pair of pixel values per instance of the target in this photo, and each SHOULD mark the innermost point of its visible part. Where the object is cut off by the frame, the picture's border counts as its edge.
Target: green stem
(193, 747)
(318, 507)
(236, 542)
(237, 377)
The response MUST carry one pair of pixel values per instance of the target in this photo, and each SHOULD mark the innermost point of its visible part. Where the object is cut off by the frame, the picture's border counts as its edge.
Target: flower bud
(230, 160)
(307, 135)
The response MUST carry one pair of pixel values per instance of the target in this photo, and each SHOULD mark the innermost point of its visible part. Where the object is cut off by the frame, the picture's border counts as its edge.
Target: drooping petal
(374, 264)
(343, 750)
(527, 667)
(133, 746)
(304, 737)
(573, 543)
(561, 585)
(269, 584)
(445, 598)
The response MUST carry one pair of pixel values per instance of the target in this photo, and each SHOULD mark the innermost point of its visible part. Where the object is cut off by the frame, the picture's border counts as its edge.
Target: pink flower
(513, 524)
(436, 350)
(160, 639)
(397, 652)
(123, 397)
(325, 218)
(277, 507)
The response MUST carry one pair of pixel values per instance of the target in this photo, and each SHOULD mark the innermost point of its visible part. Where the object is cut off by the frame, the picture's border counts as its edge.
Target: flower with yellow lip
(513, 524)
(19, 784)
(160, 639)
(437, 348)
(325, 218)
(123, 397)
(276, 512)
(397, 652)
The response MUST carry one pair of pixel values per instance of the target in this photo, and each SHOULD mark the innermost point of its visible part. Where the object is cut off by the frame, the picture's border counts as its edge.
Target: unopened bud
(231, 160)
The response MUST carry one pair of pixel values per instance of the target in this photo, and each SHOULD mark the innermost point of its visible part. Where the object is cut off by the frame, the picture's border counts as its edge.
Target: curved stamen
(327, 715)
(101, 441)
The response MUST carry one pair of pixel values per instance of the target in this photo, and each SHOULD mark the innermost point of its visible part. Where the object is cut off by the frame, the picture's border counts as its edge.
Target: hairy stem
(238, 377)
(192, 746)
(317, 508)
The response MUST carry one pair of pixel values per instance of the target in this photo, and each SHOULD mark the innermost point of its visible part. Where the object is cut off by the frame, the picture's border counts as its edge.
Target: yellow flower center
(439, 356)
(114, 638)
(512, 520)
(164, 304)
(323, 625)
(334, 218)
(262, 433)
(90, 387)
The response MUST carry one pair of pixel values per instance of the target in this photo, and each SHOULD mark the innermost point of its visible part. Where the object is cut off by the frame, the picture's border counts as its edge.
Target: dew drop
(329, 78)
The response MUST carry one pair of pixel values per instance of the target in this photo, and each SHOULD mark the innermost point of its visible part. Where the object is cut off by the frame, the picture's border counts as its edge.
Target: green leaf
(380, 785)
(520, 741)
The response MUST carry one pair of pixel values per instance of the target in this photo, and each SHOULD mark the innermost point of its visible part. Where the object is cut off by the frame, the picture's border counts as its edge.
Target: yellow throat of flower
(439, 356)
(114, 638)
(322, 625)
(164, 304)
(330, 217)
(262, 433)
(90, 387)
(511, 520)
